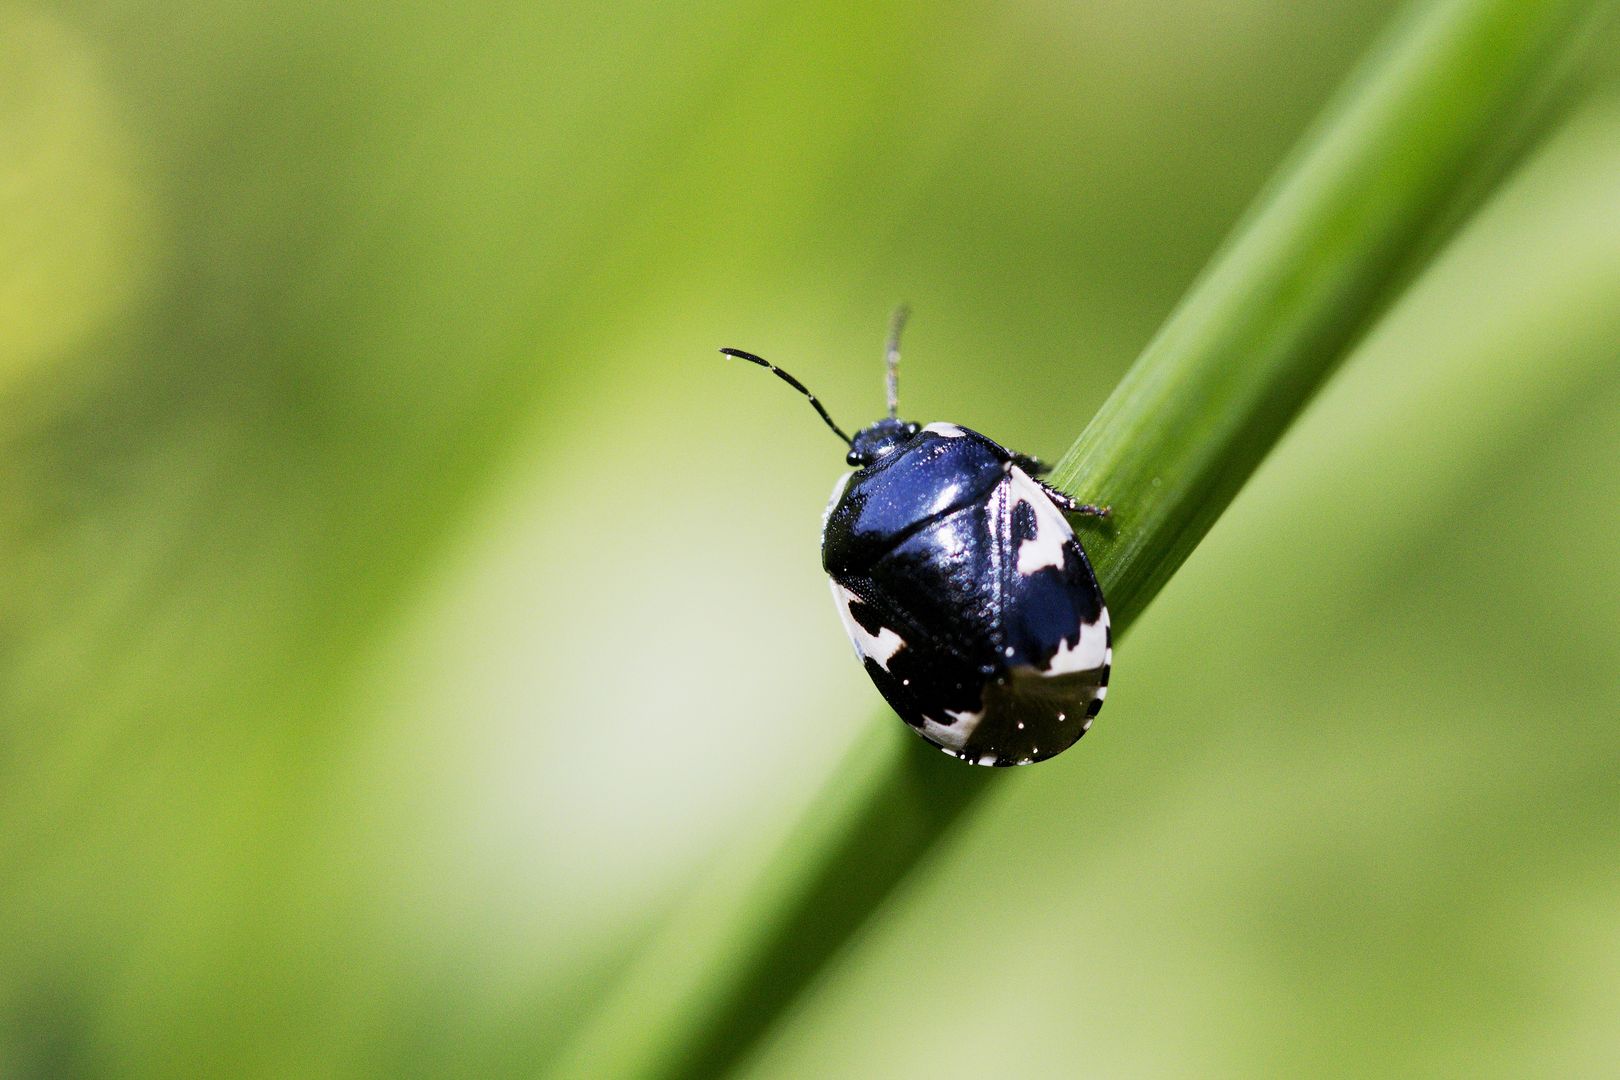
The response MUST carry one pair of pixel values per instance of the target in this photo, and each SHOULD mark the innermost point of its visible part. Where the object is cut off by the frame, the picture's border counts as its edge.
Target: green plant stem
(1412, 141)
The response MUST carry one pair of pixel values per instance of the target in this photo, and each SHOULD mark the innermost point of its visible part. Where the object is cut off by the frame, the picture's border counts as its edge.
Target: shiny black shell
(968, 598)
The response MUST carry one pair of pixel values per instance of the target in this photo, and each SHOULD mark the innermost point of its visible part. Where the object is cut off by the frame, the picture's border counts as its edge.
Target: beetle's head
(872, 443)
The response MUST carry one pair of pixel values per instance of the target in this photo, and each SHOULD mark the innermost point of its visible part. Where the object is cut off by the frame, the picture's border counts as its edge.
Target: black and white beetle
(962, 586)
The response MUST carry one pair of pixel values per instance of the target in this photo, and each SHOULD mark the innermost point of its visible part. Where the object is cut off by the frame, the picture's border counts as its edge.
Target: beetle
(961, 584)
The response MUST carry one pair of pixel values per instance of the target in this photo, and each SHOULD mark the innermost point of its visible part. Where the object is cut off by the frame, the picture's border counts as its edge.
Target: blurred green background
(405, 607)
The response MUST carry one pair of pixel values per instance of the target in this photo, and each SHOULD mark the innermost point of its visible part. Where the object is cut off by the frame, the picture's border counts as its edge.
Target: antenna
(795, 383)
(897, 323)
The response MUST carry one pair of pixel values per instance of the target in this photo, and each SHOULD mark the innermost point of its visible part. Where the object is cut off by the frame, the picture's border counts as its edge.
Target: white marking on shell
(881, 646)
(1052, 531)
(949, 431)
(1089, 652)
(954, 735)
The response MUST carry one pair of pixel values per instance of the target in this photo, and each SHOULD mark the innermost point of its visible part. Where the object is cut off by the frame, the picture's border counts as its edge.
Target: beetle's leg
(1069, 504)
(1032, 465)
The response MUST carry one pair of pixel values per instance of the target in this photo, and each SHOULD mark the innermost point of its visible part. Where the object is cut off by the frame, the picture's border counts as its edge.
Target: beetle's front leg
(1070, 505)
